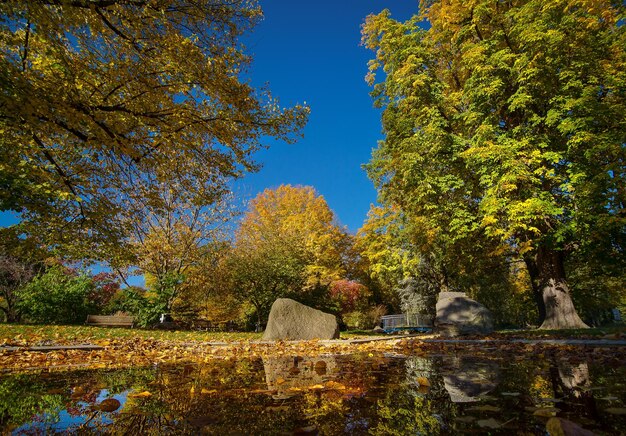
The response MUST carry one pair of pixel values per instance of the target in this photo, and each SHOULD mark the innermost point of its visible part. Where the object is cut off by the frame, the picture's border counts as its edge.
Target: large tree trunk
(533, 272)
(560, 310)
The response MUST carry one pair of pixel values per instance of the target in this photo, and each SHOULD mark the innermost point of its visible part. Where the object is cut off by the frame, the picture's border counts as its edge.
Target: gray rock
(457, 314)
(290, 320)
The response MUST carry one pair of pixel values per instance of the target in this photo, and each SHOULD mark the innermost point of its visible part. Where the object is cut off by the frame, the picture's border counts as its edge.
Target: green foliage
(147, 306)
(22, 397)
(14, 274)
(406, 414)
(504, 120)
(57, 296)
(366, 318)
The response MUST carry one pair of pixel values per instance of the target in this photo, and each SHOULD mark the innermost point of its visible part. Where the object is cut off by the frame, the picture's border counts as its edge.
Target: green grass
(349, 334)
(32, 334)
(73, 334)
(597, 332)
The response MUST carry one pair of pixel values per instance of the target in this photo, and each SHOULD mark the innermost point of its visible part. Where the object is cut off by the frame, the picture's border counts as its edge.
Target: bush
(364, 319)
(135, 301)
(58, 296)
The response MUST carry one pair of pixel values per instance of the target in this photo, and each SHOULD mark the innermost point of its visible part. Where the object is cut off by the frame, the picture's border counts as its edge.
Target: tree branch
(61, 173)
(26, 40)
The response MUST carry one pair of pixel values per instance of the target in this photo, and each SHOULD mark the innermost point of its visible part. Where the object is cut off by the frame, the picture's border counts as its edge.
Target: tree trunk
(560, 310)
(533, 272)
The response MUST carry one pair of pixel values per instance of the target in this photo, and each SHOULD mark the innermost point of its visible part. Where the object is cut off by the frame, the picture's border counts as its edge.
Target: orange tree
(288, 244)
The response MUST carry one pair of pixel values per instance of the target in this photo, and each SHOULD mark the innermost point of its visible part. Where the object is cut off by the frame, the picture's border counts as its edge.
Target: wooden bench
(110, 320)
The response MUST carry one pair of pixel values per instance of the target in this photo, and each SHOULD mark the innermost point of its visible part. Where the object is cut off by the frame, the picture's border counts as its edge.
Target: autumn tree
(172, 236)
(97, 96)
(504, 119)
(408, 267)
(288, 244)
(210, 285)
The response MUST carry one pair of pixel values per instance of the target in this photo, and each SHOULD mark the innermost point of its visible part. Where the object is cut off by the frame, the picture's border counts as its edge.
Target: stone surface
(290, 320)
(457, 314)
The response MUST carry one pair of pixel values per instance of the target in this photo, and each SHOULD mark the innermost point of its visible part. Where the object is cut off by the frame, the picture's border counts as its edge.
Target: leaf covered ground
(128, 347)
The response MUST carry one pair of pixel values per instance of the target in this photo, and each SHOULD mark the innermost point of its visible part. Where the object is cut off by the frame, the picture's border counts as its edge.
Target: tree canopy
(505, 120)
(288, 244)
(102, 102)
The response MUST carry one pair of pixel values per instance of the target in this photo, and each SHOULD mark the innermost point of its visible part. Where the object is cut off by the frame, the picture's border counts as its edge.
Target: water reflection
(324, 395)
(289, 375)
(466, 379)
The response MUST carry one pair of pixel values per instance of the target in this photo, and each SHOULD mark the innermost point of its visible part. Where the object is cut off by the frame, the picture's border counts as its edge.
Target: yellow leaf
(423, 381)
(144, 394)
(547, 412)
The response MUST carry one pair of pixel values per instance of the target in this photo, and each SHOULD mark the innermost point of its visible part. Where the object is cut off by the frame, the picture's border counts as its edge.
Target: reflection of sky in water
(66, 421)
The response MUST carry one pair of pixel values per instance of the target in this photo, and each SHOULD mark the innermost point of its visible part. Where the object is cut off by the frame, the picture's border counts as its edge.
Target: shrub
(58, 296)
(364, 319)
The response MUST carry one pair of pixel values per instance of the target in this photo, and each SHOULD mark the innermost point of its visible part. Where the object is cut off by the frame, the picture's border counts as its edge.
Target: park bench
(110, 320)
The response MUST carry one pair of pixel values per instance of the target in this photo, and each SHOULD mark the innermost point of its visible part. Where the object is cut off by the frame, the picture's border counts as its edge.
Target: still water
(356, 394)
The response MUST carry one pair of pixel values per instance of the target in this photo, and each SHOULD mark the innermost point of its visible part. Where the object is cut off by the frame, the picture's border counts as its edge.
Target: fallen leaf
(546, 412)
(485, 408)
(423, 381)
(144, 394)
(488, 423)
(335, 385)
(109, 405)
(563, 427)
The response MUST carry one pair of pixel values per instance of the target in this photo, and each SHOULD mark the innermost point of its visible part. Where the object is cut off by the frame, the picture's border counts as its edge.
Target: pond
(346, 394)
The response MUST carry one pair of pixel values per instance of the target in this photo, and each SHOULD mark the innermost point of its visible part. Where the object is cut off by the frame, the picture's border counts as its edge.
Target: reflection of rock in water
(573, 376)
(467, 379)
(285, 373)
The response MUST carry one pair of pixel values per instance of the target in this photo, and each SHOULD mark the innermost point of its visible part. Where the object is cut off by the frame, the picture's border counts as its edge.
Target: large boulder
(290, 320)
(457, 314)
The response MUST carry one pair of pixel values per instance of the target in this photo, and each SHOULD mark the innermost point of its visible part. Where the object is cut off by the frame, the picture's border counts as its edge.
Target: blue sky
(310, 52)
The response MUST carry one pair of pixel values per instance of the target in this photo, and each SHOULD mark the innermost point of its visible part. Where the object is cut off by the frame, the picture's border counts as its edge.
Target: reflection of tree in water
(23, 397)
(354, 395)
(36, 400)
(412, 404)
(571, 383)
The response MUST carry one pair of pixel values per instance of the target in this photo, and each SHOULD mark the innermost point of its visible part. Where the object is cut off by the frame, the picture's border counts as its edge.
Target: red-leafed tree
(349, 295)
